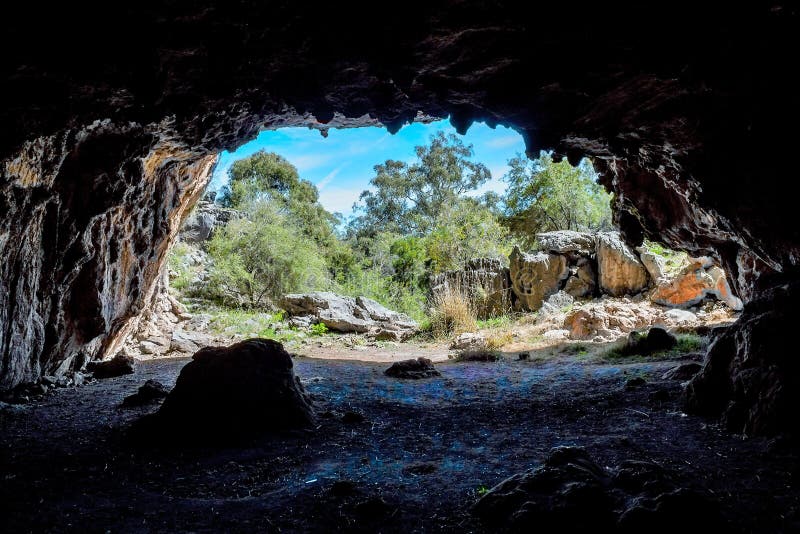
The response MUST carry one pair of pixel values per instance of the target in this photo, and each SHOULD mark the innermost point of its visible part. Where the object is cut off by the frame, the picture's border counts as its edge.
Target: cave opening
(111, 139)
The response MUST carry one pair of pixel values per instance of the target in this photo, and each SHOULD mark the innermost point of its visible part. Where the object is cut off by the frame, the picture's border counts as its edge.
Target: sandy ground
(415, 464)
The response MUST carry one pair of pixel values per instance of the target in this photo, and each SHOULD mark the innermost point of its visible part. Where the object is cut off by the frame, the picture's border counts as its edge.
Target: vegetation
(543, 196)
(452, 314)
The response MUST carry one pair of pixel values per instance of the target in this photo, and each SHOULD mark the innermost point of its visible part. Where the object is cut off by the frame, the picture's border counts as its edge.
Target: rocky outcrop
(484, 281)
(697, 281)
(535, 277)
(566, 242)
(243, 390)
(619, 270)
(203, 220)
(348, 314)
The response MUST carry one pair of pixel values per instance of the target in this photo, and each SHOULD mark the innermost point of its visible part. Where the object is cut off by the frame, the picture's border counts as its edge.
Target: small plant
(482, 490)
(500, 321)
(497, 340)
(689, 343)
(319, 329)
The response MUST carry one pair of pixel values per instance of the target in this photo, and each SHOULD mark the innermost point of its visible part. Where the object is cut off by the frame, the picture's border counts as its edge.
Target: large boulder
(203, 220)
(242, 390)
(609, 319)
(567, 241)
(485, 281)
(535, 277)
(121, 364)
(412, 369)
(348, 314)
(620, 272)
(697, 281)
(583, 279)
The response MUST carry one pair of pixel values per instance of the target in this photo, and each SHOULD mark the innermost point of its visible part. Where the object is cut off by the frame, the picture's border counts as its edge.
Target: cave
(113, 119)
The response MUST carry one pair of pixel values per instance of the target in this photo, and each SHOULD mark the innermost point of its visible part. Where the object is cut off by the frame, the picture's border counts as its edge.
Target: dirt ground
(417, 463)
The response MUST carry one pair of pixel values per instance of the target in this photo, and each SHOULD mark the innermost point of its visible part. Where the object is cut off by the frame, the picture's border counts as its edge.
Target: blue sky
(341, 165)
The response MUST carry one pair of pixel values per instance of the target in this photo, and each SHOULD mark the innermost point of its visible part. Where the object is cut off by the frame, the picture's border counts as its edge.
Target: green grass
(247, 322)
(495, 322)
(675, 260)
(177, 261)
(319, 329)
(686, 343)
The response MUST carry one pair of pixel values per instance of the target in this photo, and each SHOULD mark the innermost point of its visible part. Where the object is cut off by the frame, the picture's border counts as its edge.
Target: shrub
(319, 329)
(498, 340)
(452, 313)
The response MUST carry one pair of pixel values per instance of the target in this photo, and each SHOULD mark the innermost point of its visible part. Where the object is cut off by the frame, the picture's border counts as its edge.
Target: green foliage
(178, 262)
(259, 258)
(407, 198)
(544, 196)
(319, 329)
(690, 343)
(247, 323)
(385, 290)
(674, 261)
(686, 343)
(464, 230)
(408, 260)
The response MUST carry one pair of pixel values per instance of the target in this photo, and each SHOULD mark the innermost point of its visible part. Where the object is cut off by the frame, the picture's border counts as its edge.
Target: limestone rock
(619, 270)
(694, 284)
(413, 369)
(468, 340)
(535, 277)
(566, 241)
(238, 391)
(346, 314)
(583, 279)
(188, 342)
(121, 364)
(655, 264)
(203, 220)
(483, 280)
(656, 339)
(609, 319)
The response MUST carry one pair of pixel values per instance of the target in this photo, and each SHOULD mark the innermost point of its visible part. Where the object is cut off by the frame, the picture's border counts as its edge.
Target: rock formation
(348, 314)
(107, 135)
(619, 270)
(534, 277)
(694, 283)
(203, 220)
(484, 280)
(243, 390)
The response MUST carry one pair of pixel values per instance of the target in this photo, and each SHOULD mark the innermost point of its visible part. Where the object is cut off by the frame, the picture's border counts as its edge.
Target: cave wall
(111, 116)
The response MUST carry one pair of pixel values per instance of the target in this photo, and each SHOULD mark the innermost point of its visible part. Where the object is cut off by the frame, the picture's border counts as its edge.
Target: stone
(534, 277)
(654, 263)
(619, 270)
(558, 302)
(203, 220)
(556, 335)
(566, 241)
(468, 340)
(656, 339)
(684, 371)
(697, 281)
(346, 314)
(188, 342)
(119, 365)
(683, 318)
(155, 345)
(243, 390)
(609, 319)
(412, 369)
(351, 417)
(485, 281)
(149, 392)
(634, 383)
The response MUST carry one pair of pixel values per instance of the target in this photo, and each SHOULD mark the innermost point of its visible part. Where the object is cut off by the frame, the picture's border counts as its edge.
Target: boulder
(412, 369)
(619, 270)
(154, 345)
(484, 280)
(684, 371)
(150, 391)
(203, 220)
(535, 277)
(188, 342)
(609, 319)
(697, 281)
(119, 365)
(567, 241)
(347, 314)
(241, 390)
(583, 279)
(558, 302)
(656, 339)
(468, 340)
(655, 264)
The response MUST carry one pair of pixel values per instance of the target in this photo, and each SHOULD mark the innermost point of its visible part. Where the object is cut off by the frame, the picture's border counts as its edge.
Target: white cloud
(328, 178)
(310, 161)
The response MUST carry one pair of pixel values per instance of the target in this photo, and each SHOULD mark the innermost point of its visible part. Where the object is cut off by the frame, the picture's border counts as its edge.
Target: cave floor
(426, 449)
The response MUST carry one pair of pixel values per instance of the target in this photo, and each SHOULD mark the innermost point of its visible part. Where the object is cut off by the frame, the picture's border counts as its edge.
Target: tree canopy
(543, 195)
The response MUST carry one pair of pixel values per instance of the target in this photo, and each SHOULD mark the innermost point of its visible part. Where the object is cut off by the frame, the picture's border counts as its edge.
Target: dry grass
(452, 314)
(499, 338)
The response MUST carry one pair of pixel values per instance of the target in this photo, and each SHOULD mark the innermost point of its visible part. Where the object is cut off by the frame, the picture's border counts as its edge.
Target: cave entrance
(362, 245)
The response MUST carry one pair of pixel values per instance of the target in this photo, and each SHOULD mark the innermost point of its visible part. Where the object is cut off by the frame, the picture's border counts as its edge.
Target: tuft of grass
(686, 343)
(501, 321)
(482, 490)
(452, 314)
(690, 343)
(247, 322)
(499, 339)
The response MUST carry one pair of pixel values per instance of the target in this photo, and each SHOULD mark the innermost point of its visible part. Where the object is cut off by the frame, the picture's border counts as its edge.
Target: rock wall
(105, 111)
(484, 280)
(88, 218)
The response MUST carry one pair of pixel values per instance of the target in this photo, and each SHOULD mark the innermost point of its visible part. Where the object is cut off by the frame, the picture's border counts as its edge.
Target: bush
(452, 313)
(259, 258)
(319, 329)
